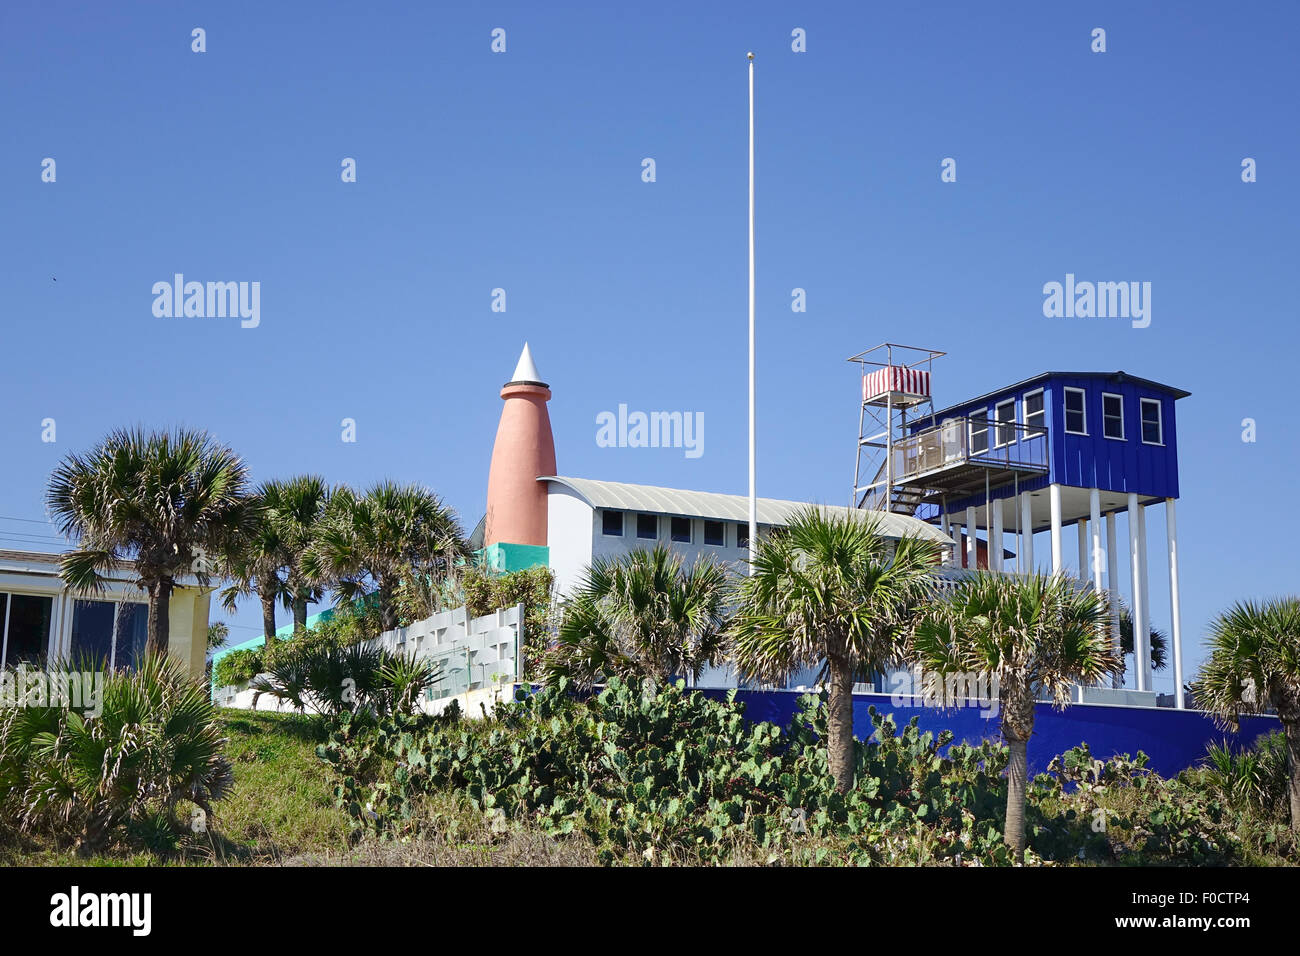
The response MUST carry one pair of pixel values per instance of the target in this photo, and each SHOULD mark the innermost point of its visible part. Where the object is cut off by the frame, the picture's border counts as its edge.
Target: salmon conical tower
(524, 451)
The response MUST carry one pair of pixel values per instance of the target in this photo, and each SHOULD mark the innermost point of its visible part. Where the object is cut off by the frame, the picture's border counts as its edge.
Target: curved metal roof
(620, 496)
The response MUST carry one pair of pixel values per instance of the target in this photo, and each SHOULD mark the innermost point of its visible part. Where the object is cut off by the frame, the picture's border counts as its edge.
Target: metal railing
(970, 441)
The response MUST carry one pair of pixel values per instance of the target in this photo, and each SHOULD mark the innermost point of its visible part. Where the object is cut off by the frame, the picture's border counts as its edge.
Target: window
(1076, 417)
(715, 533)
(742, 536)
(681, 530)
(24, 629)
(1112, 415)
(979, 432)
(1153, 432)
(1035, 410)
(108, 634)
(612, 523)
(647, 526)
(1004, 413)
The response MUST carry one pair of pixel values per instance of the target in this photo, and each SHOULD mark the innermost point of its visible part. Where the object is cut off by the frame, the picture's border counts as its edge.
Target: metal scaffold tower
(895, 393)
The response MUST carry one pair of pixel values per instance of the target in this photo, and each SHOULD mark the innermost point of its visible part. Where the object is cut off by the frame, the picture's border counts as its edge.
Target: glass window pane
(715, 533)
(1151, 423)
(92, 635)
(647, 526)
(681, 529)
(132, 635)
(1112, 409)
(979, 432)
(29, 629)
(613, 523)
(742, 536)
(1005, 414)
(1075, 418)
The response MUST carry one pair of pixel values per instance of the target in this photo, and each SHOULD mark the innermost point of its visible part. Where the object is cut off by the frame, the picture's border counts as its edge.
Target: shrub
(334, 680)
(534, 588)
(155, 743)
(1256, 778)
(675, 775)
(238, 667)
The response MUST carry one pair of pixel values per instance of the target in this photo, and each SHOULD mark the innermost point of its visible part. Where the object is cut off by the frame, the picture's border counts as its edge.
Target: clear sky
(522, 170)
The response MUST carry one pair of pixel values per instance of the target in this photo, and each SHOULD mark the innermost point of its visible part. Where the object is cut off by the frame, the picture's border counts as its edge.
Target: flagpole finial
(751, 56)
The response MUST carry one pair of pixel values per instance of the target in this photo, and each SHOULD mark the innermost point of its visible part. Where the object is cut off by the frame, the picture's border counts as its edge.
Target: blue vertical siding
(1092, 460)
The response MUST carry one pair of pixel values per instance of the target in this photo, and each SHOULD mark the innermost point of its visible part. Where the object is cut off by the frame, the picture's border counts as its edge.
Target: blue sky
(522, 171)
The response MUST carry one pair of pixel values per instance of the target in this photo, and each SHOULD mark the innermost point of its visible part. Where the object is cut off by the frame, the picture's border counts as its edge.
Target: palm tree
(642, 615)
(831, 591)
(1158, 644)
(298, 506)
(372, 542)
(1254, 666)
(255, 561)
(1029, 635)
(167, 501)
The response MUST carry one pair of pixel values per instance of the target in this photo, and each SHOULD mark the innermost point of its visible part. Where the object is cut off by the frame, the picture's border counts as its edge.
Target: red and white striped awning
(904, 382)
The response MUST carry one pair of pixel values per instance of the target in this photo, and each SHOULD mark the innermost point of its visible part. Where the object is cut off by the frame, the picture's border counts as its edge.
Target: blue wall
(1095, 461)
(1092, 460)
(1173, 739)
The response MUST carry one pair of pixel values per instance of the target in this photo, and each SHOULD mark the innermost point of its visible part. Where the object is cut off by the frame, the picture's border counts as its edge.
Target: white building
(588, 519)
(46, 626)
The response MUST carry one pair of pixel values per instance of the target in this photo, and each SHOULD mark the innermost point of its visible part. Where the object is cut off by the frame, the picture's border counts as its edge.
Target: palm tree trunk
(1292, 732)
(387, 610)
(839, 724)
(159, 624)
(1013, 834)
(299, 614)
(268, 614)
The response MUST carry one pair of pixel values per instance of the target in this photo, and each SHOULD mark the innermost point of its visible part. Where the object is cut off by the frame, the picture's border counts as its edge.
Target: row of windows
(1112, 416)
(679, 529)
(105, 634)
(1076, 419)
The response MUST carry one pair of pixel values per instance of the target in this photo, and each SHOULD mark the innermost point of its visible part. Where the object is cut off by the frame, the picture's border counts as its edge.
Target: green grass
(282, 805)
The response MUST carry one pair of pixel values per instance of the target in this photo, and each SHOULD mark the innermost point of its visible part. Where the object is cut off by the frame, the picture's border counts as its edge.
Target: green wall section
(502, 557)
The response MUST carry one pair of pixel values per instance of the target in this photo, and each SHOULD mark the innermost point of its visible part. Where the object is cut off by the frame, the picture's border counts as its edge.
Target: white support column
(1094, 514)
(972, 545)
(1175, 612)
(995, 537)
(1112, 584)
(1083, 549)
(954, 528)
(1139, 597)
(1027, 532)
(1146, 593)
(1054, 492)
(946, 527)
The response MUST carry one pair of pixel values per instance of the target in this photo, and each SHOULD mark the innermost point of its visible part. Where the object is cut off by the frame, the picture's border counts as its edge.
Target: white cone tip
(526, 370)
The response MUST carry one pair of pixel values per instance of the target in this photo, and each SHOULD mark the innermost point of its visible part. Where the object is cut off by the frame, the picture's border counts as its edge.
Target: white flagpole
(753, 502)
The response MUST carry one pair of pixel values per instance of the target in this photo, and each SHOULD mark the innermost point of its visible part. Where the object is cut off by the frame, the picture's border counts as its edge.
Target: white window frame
(1160, 420)
(623, 521)
(1065, 409)
(999, 421)
(117, 601)
(704, 533)
(51, 638)
(690, 530)
(658, 527)
(971, 429)
(1041, 413)
(1123, 432)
